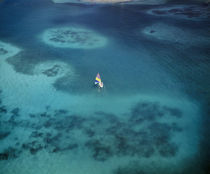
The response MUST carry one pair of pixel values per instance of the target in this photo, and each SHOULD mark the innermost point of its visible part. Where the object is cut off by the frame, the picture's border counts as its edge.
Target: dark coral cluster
(3, 51)
(10, 153)
(3, 109)
(61, 37)
(130, 170)
(139, 133)
(69, 36)
(52, 72)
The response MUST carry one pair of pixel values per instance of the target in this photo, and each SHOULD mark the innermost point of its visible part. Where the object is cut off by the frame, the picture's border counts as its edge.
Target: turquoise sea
(152, 117)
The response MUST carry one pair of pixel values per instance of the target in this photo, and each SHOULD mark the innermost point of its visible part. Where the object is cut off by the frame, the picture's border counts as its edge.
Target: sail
(98, 79)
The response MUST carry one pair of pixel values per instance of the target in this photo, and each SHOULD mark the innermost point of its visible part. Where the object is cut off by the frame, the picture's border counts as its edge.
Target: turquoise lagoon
(152, 115)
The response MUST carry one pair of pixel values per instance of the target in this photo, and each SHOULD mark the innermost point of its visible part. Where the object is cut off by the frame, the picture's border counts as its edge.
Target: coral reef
(122, 139)
(3, 110)
(191, 12)
(53, 69)
(4, 135)
(33, 147)
(9, 153)
(172, 34)
(100, 151)
(139, 134)
(73, 37)
(126, 170)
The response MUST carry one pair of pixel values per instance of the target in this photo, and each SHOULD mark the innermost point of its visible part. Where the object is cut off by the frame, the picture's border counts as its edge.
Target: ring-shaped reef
(73, 37)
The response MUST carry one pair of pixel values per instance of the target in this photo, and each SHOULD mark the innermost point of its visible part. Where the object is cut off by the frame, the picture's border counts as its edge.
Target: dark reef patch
(4, 156)
(61, 112)
(152, 31)
(66, 122)
(52, 72)
(9, 153)
(145, 112)
(168, 150)
(47, 124)
(151, 111)
(44, 114)
(15, 111)
(175, 127)
(128, 138)
(70, 147)
(33, 147)
(159, 128)
(3, 51)
(36, 134)
(52, 139)
(105, 134)
(32, 115)
(173, 111)
(57, 148)
(4, 135)
(3, 110)
(128, 170)
(89, 132)
(100, 152)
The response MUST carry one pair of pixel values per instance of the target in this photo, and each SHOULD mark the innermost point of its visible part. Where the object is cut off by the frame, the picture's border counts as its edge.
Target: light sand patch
(173, 34)
(73, 37)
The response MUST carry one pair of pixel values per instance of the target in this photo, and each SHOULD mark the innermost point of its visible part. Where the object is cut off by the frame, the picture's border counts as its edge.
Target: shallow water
(152, 115)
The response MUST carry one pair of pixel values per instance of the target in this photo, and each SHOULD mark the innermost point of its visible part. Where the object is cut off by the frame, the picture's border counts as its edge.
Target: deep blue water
(131, 64)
